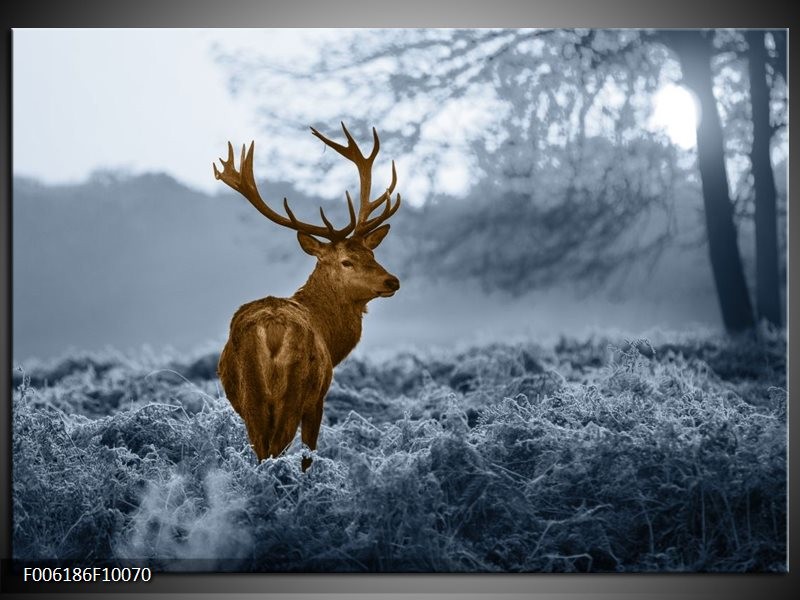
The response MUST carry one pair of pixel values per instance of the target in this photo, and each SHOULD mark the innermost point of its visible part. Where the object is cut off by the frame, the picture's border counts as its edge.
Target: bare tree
(768, 301)
(694, 50)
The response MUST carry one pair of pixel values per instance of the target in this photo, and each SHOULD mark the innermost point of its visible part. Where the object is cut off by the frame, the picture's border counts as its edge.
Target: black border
(395, 13)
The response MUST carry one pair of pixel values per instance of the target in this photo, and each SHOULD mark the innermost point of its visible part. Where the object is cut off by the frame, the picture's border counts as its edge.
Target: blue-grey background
(123, 238)
(612, 13)
(495, 244)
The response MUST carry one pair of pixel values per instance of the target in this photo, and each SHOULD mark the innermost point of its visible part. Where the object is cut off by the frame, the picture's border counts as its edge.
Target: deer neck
(336, 318)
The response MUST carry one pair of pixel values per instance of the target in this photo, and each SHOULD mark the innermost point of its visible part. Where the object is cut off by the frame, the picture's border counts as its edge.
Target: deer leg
(259, 427)
(259, 442)
(286, 421)
(312, 420)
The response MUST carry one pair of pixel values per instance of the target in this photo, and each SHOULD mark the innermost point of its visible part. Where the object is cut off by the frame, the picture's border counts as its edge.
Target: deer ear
(310, 245)
(372, 240)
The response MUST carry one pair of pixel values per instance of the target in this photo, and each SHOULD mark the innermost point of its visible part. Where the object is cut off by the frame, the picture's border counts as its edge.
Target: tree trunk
(768, 300)
(694, 52)
(779, 35)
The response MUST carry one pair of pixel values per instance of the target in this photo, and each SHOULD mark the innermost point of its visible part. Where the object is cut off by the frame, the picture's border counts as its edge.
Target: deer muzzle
(390, 285)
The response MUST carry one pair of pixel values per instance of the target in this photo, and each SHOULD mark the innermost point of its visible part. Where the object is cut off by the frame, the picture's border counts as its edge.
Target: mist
(128, 262)
(587, 342)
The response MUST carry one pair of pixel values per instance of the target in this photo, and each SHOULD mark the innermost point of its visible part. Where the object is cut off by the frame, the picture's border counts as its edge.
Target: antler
(364, 224)
(244, 182)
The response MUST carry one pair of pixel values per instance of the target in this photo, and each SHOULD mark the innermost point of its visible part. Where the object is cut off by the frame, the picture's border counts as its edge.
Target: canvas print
(400, 300)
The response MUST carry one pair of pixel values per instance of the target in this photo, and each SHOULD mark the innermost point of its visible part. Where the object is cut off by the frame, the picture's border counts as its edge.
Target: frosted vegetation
(591, 455)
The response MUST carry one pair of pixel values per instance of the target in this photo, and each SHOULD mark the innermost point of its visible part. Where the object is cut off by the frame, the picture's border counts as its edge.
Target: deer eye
(347, 263)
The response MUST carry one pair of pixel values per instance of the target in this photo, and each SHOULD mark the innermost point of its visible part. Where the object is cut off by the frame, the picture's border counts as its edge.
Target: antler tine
(225, 164)
(376, 145)
(243, 181)
(364, 165)
(371, 224)
(351, 143)
(350, 152)
(365, 224)
(382, 198)
(328, 223)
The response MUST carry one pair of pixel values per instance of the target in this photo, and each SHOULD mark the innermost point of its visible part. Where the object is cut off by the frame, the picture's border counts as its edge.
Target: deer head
(346, 264)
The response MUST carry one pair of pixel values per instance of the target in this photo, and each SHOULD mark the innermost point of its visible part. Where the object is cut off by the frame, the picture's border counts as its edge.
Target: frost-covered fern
(592, 455)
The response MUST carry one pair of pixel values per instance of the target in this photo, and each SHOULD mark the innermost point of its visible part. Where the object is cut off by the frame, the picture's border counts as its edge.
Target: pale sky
(133, 99)
(144, 100)
(141, 100)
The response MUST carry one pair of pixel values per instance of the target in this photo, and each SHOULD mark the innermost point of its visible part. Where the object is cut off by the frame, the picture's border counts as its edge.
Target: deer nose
(393, 283)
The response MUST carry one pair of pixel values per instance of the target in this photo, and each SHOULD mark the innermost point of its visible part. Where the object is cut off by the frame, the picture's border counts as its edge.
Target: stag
(277, 364)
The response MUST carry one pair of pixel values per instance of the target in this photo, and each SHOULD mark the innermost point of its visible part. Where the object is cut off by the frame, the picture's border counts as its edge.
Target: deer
(277, 364)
